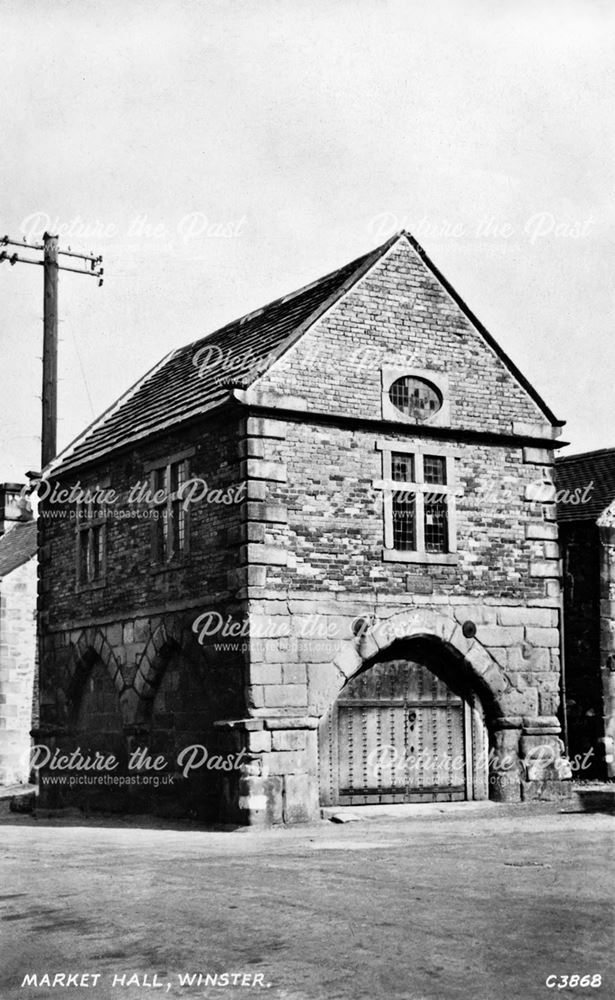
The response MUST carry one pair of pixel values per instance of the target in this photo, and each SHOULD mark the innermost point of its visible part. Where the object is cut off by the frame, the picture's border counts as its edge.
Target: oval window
(415, 397)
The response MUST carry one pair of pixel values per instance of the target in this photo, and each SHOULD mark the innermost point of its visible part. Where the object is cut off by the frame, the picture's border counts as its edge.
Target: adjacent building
(586, 516)
(305, 563)
(18, 583)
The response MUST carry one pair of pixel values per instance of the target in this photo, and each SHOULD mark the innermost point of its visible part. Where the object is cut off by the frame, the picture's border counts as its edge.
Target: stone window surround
(389, 412)
(165, 462)
(418, 488)
(84, 529)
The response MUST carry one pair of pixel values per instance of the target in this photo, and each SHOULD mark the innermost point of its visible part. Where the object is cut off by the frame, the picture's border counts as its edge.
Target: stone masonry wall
(398, 314)
(122, 667)
(132, 581)
(17, 669)
(302, 556)
(321, 560)
(321, 565)
(581, 575)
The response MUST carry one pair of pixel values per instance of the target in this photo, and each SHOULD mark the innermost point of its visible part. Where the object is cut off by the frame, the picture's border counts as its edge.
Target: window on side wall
(91, 543)
(170, 520)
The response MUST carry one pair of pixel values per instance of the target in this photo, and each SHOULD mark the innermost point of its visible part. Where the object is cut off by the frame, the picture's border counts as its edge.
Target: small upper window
(91, 556)
(415, 397)
(170, 528)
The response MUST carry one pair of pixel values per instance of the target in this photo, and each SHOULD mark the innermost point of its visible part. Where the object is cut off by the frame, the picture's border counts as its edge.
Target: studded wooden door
(398, 733)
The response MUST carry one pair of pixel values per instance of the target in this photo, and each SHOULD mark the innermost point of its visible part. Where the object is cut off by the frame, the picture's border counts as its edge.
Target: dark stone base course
(204, 794)
(195, 797)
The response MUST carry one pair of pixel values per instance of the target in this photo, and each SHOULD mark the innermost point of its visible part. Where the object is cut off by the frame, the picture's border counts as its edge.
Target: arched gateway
(411, 724)
(404, 729)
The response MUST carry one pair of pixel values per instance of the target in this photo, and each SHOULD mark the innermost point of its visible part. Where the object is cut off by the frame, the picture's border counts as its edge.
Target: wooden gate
(398, 733)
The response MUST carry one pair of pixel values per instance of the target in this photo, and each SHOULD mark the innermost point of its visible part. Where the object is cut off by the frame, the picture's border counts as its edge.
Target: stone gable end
(399, 315)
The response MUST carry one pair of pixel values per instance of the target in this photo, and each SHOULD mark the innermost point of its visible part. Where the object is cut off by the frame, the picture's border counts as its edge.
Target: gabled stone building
(586, 515)
(322, 560)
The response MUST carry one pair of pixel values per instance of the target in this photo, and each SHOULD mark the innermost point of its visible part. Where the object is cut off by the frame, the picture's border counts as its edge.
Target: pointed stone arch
(168, 639)
(88, 651)
(160, 648)
(89, 648)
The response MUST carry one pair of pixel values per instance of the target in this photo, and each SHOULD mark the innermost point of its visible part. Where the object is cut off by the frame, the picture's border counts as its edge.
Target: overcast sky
(307, 133)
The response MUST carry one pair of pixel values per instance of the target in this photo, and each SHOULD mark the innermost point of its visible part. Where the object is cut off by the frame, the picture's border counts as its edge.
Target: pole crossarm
(14, 258)
(95, 270)
(51, 252)
(6, 240)
(83, 256)
(80, 270)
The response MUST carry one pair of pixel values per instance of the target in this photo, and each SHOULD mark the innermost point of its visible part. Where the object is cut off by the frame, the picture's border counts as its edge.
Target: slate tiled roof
(173, 390)
(17, 546)
(577, 472)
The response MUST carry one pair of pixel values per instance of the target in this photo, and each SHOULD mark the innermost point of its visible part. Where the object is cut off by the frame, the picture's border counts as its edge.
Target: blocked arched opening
(91, 677)
(175, 705)
(162, 648)
(95, 707)
(91, 713)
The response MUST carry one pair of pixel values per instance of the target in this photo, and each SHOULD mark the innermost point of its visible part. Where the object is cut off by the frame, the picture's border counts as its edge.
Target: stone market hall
(312, 546)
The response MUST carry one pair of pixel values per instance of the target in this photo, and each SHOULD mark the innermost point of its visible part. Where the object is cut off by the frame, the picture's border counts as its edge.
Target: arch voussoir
(425, 623)
(109, 659)
(152, 664)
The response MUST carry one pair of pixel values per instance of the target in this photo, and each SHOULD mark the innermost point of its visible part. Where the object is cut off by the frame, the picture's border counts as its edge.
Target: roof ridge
(254, 343)
(289, 296)
(358, 269)
(482, 329)
(351, 271)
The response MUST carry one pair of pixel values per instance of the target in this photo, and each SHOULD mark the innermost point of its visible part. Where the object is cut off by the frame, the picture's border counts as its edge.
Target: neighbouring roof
(17, 546)
(592, 476)
(172, 391)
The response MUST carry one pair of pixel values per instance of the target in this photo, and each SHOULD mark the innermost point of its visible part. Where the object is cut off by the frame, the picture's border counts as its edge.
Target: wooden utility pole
(50, 350)
(51, 268)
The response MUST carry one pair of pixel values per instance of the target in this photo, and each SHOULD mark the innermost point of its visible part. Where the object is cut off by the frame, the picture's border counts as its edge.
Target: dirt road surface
(483, 905)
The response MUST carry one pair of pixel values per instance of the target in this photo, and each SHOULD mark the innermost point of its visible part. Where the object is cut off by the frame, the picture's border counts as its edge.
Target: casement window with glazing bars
(170, 525)
(91, 538)
(419, 503)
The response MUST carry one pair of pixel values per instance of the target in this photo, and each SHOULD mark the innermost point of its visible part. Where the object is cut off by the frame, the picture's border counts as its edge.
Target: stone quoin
(391, 502)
